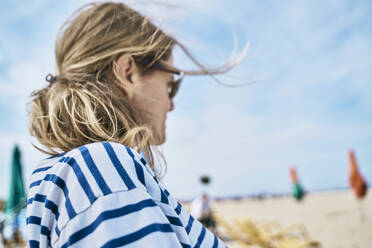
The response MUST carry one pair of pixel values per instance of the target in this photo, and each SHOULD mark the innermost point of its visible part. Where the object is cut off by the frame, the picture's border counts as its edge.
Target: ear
(126, 72)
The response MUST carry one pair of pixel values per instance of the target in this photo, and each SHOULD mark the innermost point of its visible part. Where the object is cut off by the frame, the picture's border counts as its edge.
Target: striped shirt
(105, 195)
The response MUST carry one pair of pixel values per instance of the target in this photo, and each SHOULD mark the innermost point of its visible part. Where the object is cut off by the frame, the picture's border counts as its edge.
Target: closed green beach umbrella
(17, 195)
(297, 190)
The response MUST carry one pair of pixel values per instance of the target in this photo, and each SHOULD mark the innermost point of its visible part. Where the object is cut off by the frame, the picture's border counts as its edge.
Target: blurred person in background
(99, 118)
(201, 209)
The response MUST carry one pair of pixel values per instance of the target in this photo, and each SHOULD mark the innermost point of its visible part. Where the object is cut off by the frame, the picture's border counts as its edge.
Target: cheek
(151, 103)
(151, 97)
(159, 94)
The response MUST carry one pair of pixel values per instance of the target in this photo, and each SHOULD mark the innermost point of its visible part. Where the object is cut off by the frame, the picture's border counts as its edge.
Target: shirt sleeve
(121, 219)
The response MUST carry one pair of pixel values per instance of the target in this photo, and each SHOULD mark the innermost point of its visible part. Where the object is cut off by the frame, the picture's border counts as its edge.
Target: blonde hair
(84, 103)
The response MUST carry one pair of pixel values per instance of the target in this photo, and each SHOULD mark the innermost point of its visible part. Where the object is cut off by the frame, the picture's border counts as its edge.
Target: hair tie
(50, 78)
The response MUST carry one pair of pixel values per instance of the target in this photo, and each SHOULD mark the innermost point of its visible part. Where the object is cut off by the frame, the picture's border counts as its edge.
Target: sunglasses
(173, 86)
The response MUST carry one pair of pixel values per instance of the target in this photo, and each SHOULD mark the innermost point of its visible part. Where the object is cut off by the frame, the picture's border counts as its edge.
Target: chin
(158, 138)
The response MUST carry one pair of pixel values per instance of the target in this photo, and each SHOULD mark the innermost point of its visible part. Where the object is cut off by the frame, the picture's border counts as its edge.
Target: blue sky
(311, 105)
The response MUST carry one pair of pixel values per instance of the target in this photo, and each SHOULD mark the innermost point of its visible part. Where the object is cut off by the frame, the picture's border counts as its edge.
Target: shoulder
(66, 185)
(76, 179)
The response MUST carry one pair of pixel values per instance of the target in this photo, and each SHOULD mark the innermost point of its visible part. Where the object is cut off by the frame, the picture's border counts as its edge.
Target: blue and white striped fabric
(105, 195)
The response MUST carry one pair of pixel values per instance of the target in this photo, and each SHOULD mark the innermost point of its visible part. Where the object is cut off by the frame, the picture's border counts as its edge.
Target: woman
(105, 106)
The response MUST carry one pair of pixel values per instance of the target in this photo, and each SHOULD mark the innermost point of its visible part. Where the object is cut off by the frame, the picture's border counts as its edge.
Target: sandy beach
(332, 218)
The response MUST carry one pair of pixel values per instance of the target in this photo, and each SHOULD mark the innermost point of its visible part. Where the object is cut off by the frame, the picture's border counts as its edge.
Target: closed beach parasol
(357, 183)
(17, 194)
(356, 180)
(297, 190)
(16, 202)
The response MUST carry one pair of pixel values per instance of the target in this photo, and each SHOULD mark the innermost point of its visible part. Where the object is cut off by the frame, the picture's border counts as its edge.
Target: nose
(171, 105)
